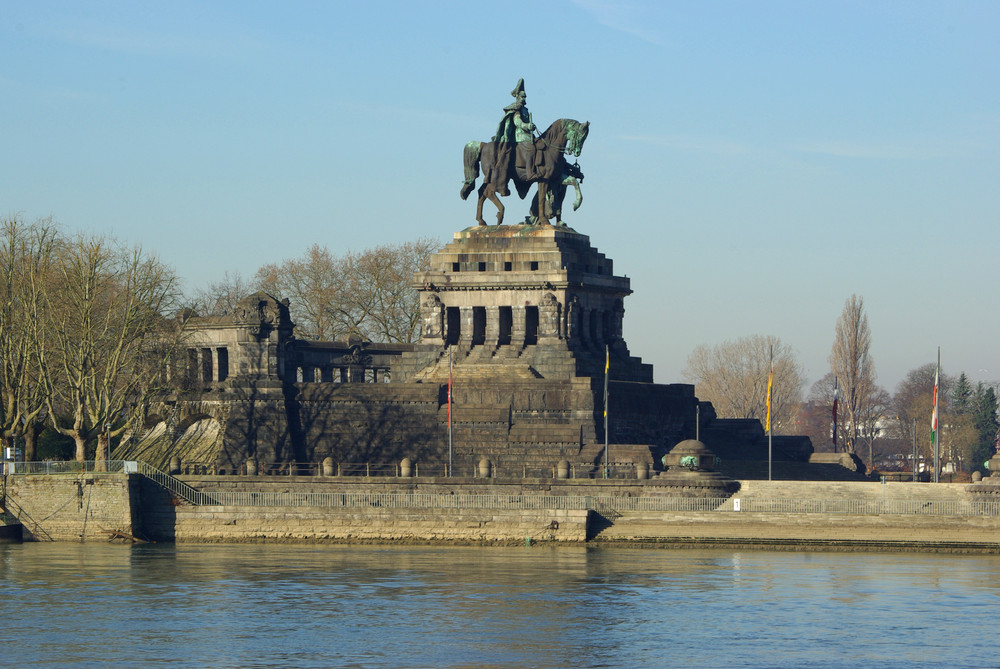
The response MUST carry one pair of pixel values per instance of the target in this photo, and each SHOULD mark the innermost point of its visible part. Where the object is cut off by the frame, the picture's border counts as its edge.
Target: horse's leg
(557, 195)
(543, 216)
(479, 205)
(579, 193)
(499, 204)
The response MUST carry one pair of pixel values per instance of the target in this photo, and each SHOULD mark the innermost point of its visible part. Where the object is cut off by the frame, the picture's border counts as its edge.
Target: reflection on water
(365, 606)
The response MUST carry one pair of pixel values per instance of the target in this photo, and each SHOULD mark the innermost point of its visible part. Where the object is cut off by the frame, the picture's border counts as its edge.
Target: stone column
(465, 337)
(517, 326)
(586, 314)
(492, 327)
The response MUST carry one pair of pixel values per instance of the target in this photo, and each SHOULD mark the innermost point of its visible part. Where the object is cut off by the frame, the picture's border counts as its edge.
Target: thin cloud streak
(621, 16)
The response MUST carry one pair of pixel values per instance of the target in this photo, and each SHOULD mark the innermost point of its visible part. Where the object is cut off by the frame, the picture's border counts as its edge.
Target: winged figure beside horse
(517, 154)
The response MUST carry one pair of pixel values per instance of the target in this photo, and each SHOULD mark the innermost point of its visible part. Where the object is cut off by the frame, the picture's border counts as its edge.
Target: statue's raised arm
(515, 153)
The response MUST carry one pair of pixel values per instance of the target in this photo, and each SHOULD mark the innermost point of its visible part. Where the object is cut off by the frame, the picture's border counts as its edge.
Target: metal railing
(603, 504)
(576, 470)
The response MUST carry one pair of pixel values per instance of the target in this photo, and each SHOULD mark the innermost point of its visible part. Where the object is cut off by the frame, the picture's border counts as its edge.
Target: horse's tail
(471, 161)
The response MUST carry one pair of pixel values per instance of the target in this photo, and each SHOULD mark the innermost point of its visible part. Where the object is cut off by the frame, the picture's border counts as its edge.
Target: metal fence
(576, 470)
(604, 504)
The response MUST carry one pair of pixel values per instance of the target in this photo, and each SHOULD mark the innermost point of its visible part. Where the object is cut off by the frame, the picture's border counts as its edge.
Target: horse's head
(576, 135)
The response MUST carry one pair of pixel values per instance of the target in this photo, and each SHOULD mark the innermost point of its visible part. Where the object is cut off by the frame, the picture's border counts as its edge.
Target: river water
(406, 606)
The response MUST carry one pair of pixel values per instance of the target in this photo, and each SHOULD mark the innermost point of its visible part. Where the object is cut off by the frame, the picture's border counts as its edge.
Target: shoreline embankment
(772, 515)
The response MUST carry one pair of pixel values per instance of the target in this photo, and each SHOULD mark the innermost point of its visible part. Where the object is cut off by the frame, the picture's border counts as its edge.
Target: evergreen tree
(961, 395)
(984, 412)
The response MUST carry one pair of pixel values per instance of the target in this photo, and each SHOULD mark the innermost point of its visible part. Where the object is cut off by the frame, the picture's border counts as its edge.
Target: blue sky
(750, 165)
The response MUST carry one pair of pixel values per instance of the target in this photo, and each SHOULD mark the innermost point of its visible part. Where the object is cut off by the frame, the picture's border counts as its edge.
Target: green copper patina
(516, 126)
(516, 153)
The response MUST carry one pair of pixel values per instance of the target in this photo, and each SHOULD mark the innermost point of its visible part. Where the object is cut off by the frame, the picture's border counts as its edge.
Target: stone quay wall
(164, 519)
(96, 507)
(235, 524)
(89, 507)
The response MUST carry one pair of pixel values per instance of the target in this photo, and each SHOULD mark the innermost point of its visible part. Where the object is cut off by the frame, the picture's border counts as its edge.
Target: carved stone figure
(257, 315)
(515, 154)
(548, 316)
(433, 317)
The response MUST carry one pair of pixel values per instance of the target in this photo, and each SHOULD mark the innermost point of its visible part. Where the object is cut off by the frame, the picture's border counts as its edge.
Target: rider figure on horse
(515, 130)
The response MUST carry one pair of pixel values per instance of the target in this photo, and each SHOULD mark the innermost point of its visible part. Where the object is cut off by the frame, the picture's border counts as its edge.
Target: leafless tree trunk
(103, 338)
(852, 364)
(26, 251)
(366, 294)
(733, 377)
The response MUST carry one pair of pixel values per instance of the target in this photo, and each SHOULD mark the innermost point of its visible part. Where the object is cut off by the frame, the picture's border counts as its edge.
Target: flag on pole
(607, 366)
(934, 413)
(836, 398)
(770, 382)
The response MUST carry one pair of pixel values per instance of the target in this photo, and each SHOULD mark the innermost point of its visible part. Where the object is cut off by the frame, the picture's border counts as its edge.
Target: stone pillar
(517, 326)
(585, 315)
(571, 326)
(492, 326)
(465, 337)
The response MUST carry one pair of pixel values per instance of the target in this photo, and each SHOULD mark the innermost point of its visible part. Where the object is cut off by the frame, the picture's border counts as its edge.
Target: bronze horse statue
(541, 162)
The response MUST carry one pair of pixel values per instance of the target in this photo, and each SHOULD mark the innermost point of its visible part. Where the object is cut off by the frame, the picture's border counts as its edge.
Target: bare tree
(852, 364)
(365, 294)
(102, 337)
(379, 300)
(733, 376)
(913, 401)
(312, 284)
(221, 297)
(25, 253)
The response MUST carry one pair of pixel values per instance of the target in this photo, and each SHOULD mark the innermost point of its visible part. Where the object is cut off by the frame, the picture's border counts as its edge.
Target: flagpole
(836, 396)
(770, 380)
(935, 430)
(607, 366)
(450, 380)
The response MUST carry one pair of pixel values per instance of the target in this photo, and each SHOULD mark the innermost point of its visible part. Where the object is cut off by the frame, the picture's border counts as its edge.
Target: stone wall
(91, 507)
(354, 525)
(97, 507)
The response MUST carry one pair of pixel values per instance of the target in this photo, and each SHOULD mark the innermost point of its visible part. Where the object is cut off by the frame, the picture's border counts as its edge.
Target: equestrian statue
(517, 154)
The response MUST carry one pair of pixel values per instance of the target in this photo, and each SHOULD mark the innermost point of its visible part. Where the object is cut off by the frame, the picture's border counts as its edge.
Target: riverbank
(772, 515)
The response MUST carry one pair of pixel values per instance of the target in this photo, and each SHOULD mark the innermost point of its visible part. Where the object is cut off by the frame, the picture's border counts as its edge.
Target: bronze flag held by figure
(517, 154)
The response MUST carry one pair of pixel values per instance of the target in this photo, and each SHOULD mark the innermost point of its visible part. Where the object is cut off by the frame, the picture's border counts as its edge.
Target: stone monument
(522, 331)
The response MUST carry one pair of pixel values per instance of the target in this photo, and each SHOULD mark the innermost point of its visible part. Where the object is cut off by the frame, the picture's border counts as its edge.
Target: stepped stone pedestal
(518, 325)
